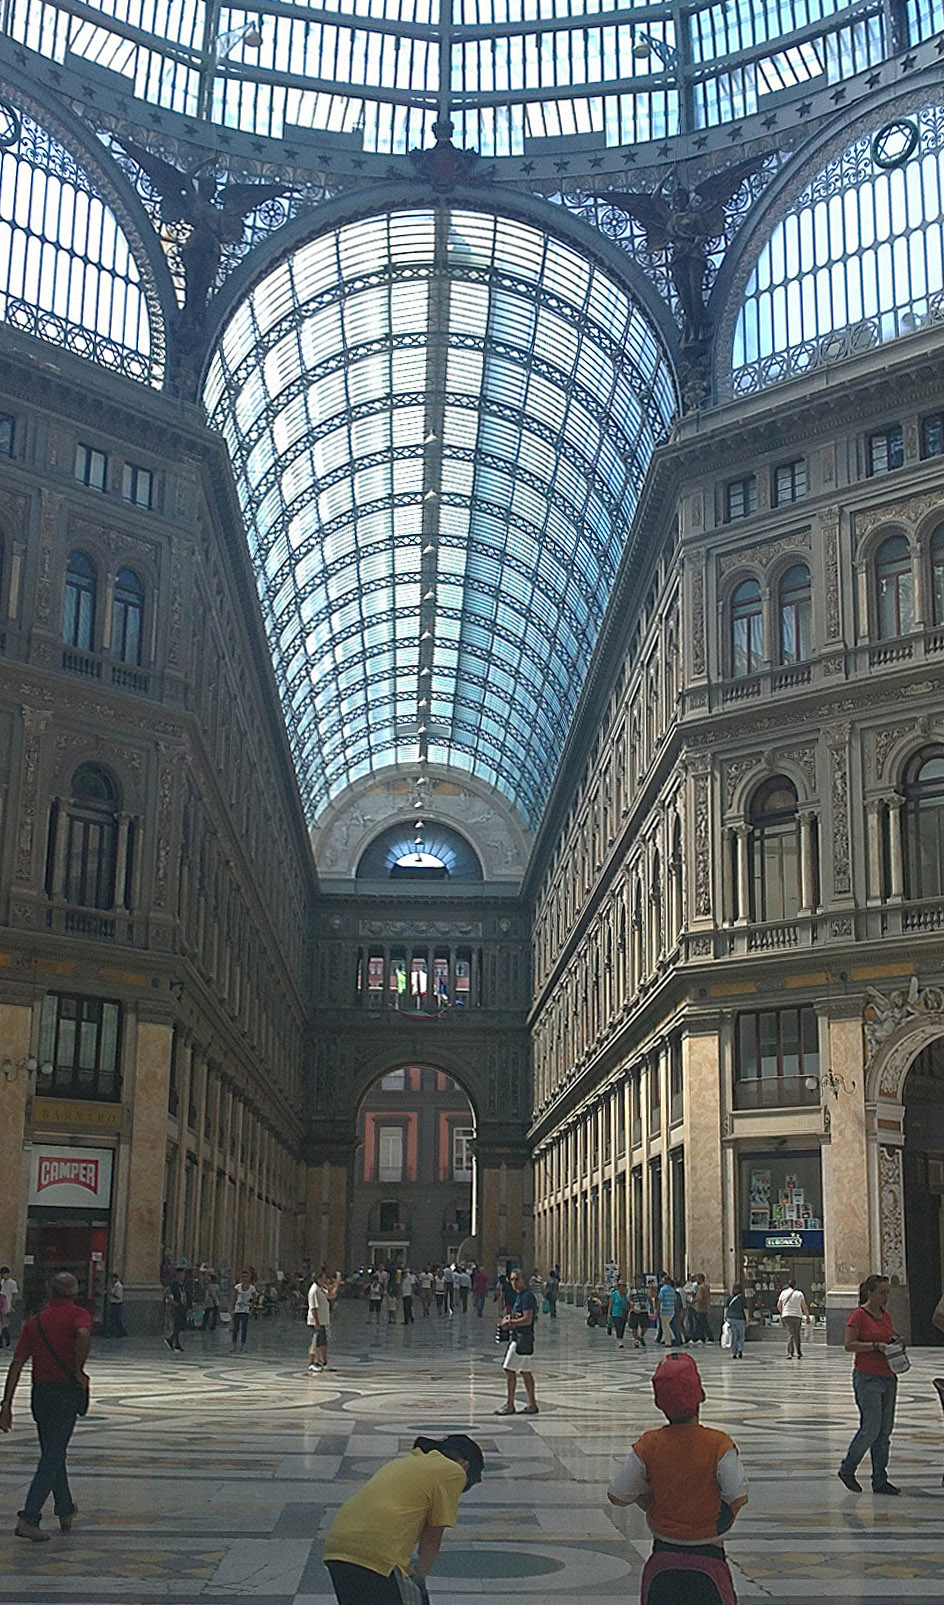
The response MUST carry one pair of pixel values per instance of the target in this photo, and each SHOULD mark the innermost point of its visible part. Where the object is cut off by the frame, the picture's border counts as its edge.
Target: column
(846, 1179)
(701, 1074)
(182, 1061)
(59, 853)
(807, 866)
(874, 807)
(895, 862)
(153, 1046)
(15, 1032)
(741, 836)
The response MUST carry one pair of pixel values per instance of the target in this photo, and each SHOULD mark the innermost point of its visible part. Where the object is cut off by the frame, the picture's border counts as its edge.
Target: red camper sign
(56, 1169)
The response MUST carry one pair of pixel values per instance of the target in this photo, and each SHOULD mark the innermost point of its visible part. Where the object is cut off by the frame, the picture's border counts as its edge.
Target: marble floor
(213, 1475)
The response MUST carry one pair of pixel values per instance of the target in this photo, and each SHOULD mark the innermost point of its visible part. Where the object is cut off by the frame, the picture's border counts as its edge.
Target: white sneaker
(316, 1368)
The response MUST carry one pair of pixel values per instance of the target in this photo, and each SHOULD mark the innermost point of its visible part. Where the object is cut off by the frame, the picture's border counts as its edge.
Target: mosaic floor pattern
(212, 1476)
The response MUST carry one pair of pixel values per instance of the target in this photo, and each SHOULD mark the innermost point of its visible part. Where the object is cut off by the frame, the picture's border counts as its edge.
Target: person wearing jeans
(244, 1297)
(735, 1313)
(875, 1385)
(57, 1342)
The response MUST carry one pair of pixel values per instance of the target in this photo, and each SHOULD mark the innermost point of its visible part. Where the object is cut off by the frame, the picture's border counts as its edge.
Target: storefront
(68, 1224)
(781, 1230)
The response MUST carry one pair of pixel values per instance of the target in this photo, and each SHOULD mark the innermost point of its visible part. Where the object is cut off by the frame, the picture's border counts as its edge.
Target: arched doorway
(923, 1177)
(413, 1188)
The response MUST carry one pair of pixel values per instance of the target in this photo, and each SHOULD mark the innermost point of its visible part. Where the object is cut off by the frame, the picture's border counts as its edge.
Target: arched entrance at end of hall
(413, 1182)
(907, 1085)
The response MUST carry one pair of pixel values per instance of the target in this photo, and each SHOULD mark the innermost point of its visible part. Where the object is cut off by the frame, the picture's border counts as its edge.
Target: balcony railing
(924, 916)
(776, 1092)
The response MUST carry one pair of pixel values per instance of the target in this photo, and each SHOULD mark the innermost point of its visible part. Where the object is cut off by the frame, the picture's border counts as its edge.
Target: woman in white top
(244, 1298)
(793, 1312)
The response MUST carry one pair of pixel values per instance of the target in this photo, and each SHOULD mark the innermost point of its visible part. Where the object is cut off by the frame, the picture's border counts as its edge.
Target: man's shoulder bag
(80, 1388)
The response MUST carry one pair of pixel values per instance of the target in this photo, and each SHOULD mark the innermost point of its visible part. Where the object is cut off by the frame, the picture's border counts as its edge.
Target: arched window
(747, 630)
(127, 617)
(91, 839)
(796, 615)
(936, 552)
(774, 851)
(924, 825)
(894, 588)
(78, 613)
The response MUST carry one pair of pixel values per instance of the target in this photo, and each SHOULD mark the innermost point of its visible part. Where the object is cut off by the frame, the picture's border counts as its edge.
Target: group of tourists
(680, 1313)
(397, 1290)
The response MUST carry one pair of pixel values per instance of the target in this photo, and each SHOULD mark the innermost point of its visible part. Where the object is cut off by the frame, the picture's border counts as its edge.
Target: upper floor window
(775, 1044)
(924, 825)
(747, 629)
(91, 467)
(137, 485)
(462, 1140)
(127, 616)
(79, 1037)
(6, 435)
(936, 554)
(390, 1153)
(78, 613)
(932, 435)
(740, 498)
(796, 615)
(393, 1081)
(774, 851)
(91, 839)
(894, 588)
(789, 482)
(886, 450)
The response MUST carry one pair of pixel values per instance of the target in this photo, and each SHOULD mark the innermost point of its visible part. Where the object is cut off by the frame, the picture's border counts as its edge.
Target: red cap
(677, 1386)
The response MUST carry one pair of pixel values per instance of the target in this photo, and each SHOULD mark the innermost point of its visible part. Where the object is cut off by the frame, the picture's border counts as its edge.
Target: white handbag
(727, 1336)
(897, 1356)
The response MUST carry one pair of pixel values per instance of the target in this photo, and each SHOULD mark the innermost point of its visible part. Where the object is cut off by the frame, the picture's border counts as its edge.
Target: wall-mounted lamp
(9, 1067)
(831, 1081)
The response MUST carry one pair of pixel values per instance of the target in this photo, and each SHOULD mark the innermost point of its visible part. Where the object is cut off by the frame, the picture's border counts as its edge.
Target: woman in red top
(874, 1384)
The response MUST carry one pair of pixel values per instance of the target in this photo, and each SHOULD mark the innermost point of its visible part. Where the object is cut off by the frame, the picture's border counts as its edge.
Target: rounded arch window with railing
(923, 788)
(773, 851)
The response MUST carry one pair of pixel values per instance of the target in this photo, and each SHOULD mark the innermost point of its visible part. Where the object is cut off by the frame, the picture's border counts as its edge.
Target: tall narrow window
(747, 630)
(740, 498)
(91, 467)
(789, 482)
(937, 574)
(894, 588)
(390, 1153)
(91, 839)
(924, 826)
(886, 450)
(79, 1037)
(127, 617)
(137, 485)
(795, 615)
(78, 613)
(774, 852)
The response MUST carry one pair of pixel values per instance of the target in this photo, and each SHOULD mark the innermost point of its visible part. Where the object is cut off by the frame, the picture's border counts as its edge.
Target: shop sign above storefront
(70, 1178)
(784, 1242)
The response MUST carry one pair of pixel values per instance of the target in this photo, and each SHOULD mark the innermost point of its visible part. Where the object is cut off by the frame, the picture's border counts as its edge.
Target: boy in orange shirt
(688, 1479)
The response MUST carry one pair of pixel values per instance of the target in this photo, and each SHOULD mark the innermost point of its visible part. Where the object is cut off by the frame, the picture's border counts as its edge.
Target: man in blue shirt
(667, 1302)
(519, 1323)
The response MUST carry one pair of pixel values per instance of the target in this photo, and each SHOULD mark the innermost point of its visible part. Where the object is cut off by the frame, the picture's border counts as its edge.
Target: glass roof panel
(474, 537)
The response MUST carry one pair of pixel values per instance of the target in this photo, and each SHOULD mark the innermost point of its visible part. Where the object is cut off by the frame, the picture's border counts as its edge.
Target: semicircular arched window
(747, 630)
(773, 848)
(894, 588)
(795, 608)
(924, 825)
(91, 839)
(936, 556)
(78, 611)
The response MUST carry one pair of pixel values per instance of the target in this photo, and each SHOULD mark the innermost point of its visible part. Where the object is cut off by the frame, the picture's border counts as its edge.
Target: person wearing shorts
(319, 1316)
(639, 1313)
(518, 1361)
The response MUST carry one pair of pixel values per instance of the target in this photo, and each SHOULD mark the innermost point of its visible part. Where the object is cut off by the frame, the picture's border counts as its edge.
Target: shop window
(924, 826)
(932, 436)
(747, 630)
(375, 980)
(137, 485)
(91, 467)
(776, 1053)
(789, 482)
(740, 498)
(886, 450)
(773, 847)
(390, 1153)
(6, 434)
(780, 1206)
(127, 617)
(78, 613)
(796, 615)
(894, 588)
(79, 1037)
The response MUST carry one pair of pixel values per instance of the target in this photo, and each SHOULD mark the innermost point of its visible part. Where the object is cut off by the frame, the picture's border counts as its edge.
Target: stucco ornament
(897, 1025)
(893, 1215)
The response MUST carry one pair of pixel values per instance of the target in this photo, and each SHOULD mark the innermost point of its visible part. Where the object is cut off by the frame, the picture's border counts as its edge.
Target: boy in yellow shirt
(688, 1479)
(408, 1502)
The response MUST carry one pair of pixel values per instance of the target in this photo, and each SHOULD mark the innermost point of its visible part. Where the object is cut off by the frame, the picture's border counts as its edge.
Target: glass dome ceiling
(439, 422)
(504, 71)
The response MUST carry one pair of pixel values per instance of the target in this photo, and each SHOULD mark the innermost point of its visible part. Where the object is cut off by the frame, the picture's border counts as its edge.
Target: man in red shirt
(57, 1342)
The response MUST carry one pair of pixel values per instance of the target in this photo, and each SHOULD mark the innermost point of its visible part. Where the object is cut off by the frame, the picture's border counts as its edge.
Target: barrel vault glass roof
(439, 422)
(505, 71)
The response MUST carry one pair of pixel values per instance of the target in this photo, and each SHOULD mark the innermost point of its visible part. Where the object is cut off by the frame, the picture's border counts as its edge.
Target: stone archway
(900, 1027)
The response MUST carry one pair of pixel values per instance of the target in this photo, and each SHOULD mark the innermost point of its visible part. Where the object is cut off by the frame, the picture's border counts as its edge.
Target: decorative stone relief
(734, 771)
(892, 1212)
(429, 930)
(804, 759)
(702, 819)
(34, 724)
(839, 791)
(829, 526)
(910, 510)
(886, 1012)
(49, 525)
(698, 621)
(764, 552)
(165, 792)
(885, 740)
